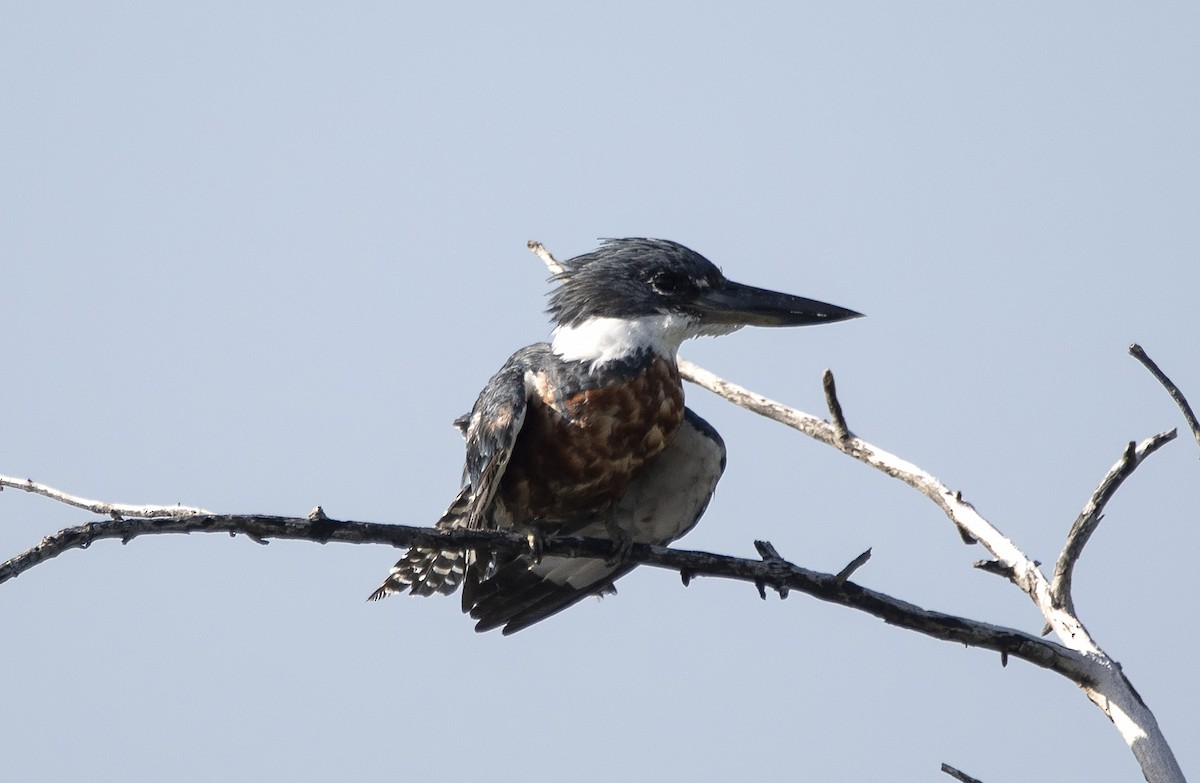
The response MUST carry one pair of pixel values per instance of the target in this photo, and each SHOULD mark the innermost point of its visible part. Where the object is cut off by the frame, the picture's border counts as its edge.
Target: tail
(424, 572)
(430, 571)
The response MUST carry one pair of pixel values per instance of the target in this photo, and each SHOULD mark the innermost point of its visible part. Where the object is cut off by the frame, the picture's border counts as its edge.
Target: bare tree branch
(98, 506)
(1110, 691)
(1140, 354)
(772, 571)
(1093, 511)
(1023, 571)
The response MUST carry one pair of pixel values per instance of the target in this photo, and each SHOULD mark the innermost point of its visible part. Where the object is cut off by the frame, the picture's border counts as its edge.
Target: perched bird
(588, 434)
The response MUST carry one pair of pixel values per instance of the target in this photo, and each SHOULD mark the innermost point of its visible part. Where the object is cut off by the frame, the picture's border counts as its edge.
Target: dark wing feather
(491, 430)
(662, 504)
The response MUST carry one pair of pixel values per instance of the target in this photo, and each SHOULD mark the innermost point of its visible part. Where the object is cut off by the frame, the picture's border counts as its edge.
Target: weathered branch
(1110, 691)
(1023, 571)
(98, 506)
(772, 571)
(544, 255)
(1093, 511)
(1139, 353)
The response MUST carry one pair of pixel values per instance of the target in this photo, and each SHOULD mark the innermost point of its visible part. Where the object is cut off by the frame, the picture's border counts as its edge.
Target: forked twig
(1093, 511)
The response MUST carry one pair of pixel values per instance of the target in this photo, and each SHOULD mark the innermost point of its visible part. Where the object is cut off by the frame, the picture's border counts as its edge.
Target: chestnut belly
(581, 458)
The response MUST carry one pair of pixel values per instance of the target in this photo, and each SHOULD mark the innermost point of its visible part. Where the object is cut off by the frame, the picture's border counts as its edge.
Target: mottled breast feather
(579, 449)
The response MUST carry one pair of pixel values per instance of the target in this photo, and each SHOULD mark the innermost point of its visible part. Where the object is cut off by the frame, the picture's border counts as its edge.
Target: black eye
(668, 283)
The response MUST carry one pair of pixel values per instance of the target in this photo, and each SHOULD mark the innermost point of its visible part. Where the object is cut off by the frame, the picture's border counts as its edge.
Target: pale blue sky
(257, 257)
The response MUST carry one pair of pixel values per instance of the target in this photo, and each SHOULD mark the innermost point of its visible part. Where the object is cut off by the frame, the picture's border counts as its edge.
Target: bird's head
(637, 294)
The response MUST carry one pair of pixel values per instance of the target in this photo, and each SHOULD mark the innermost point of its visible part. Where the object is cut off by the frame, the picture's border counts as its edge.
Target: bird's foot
(622, 544)
(537, 545)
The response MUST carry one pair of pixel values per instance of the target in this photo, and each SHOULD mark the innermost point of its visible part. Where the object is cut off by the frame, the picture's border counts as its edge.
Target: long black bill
(744, 305)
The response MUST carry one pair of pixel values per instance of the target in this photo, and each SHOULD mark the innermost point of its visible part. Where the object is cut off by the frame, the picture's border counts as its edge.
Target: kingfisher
(588, 434)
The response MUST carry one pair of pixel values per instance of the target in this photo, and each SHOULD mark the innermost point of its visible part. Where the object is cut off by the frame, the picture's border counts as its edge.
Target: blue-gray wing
(661, 505)
(491, 429)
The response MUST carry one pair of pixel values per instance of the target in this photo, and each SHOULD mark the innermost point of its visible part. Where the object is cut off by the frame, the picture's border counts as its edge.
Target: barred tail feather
(424, 572)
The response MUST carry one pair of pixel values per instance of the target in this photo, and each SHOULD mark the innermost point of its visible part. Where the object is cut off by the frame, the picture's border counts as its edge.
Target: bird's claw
(623, 550)
(622, 545)
(537, 545)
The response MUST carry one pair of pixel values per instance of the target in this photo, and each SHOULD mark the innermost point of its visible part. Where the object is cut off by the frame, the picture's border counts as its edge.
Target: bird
(588, 434)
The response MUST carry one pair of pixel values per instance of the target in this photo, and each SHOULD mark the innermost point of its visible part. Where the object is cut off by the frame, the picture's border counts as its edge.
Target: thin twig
(994, 567)
(768, 552)
(1140, 354)
(1093, 511)
(957, 775)
(852, 566)
(99, 506)
(547, 258)
(836, 417)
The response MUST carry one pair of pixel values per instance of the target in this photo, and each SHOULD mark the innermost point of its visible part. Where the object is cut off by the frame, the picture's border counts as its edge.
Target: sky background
(256, 257)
